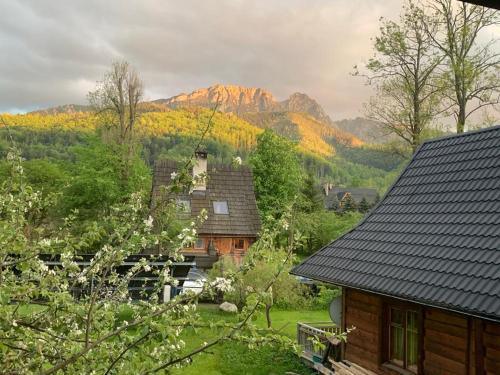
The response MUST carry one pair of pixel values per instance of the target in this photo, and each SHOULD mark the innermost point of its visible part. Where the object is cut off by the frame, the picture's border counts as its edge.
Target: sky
(53, 52)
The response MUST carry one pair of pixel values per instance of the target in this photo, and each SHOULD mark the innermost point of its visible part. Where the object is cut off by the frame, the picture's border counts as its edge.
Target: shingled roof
(335, 195)
(435, 237)
(224, 183)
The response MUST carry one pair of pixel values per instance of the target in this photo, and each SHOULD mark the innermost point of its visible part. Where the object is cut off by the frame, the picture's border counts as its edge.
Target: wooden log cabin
(421, 272)
(227, 194)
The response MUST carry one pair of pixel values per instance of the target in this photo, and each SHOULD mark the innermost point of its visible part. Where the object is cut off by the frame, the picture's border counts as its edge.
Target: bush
(325, 296)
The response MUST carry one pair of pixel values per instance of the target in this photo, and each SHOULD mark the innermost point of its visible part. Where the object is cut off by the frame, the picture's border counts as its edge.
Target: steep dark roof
(224, 183)
(435, 237)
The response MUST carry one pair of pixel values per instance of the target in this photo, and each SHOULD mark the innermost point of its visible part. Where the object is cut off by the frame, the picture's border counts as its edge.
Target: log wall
(452, 344)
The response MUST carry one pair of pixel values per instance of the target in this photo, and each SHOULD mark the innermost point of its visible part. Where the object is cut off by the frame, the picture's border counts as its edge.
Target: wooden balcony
(326, 358)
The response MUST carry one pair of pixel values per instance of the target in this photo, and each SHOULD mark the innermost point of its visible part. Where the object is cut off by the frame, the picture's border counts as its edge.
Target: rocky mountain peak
(299, 102)
(240, 99)
(232, 98)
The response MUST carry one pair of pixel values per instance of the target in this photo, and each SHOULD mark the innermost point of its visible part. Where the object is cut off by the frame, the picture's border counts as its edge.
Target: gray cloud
(55, 51)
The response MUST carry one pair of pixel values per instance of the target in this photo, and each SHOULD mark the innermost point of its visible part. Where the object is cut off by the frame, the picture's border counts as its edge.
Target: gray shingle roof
(435, 237)
(336, 194)
(224, 183)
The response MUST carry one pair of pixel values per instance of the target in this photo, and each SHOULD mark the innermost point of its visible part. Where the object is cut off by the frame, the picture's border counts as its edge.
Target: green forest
(67, 155)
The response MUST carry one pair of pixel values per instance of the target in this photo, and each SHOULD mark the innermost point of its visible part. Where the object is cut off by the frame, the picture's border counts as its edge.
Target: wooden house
(421, 273)
(227, 194)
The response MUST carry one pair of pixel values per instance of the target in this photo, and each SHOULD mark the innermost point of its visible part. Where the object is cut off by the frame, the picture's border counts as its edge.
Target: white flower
(147, 268)
(43, 267)
(14, 323)
(149, 222)
(173, 175)
(45, 242)
(285, 225)
(237, 160)
(222, 284)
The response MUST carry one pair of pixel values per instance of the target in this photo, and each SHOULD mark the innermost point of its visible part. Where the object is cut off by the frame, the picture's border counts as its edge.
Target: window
(199, 244)
(184, 205)
(403, 338)
(239, 244)
(220, 208)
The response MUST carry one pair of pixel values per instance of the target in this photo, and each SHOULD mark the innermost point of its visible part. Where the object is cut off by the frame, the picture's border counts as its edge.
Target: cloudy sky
(53, 52)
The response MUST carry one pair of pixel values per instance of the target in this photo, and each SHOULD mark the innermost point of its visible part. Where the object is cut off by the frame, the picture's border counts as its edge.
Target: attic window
(220, 208)
(184, 205)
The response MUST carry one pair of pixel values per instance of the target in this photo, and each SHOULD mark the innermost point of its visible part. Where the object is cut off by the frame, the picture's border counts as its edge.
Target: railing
(307, 333)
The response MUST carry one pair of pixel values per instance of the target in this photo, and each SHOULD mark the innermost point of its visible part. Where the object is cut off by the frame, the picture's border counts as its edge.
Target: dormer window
(221, 208)
(184, 205)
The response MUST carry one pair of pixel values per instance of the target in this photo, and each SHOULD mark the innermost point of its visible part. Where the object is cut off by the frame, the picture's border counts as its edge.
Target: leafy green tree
(311, 194)
(322, 227)
(97, 182)
(459, 31)
(404, 72)
(46, 329)
(277, 173)
(268, 260)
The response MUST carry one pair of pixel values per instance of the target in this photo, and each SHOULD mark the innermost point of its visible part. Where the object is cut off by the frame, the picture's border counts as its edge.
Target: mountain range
(292, 117)
(239, 100)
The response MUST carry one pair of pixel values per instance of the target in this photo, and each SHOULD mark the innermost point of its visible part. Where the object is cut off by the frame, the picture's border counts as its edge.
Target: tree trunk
(268, 314)
(461, 119)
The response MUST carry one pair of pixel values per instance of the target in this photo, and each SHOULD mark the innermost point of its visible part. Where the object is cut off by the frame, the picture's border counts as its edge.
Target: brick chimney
(200, 168)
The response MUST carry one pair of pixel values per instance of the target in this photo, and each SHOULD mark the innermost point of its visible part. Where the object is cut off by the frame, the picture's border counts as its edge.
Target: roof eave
(491, 318)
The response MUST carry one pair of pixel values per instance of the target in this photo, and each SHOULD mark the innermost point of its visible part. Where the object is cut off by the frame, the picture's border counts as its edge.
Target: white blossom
(222, 284)
(149, 222)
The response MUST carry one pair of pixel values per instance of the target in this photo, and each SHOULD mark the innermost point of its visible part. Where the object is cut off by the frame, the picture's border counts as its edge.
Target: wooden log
(446, 328)
(445, 339)
(441, 349)
(443, 363)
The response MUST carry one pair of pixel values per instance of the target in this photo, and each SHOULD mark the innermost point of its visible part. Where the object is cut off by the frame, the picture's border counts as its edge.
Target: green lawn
(233, 358)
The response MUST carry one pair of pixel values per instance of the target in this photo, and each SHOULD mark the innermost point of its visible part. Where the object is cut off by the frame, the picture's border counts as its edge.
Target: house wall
(224, 246)
(448, 346)
(363, 311)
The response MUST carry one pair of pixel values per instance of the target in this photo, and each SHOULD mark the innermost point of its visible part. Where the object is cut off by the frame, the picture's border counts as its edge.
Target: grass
(234, 358)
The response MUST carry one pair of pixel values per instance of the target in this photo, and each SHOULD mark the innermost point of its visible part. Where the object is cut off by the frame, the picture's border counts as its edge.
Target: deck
(325, 358)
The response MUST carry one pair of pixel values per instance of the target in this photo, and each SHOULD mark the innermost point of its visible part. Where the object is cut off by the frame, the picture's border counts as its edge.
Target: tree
(117, 97)
(473, 67)
(116, 101)
(97, 183)
(404, 73)
(277, 173)
(364, 206)
(46, 329)
(322, 227)
(311, 195)
(261, 265)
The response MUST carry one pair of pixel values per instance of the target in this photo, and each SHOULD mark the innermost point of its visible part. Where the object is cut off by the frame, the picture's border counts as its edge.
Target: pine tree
(311, 194)
(364, 206)
(347, 203)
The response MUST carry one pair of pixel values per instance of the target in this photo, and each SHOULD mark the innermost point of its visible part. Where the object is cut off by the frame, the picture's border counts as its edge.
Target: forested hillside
(333, 155)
